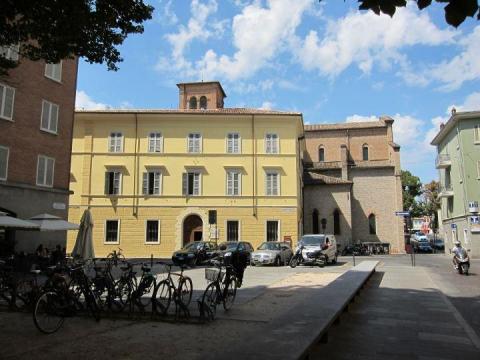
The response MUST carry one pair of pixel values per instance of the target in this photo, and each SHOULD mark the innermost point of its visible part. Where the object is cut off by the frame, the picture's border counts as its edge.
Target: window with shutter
(49, 120)
(233, 143)
(116, 142)
(10, 52)
(191, 183)
(151, 183)
(271, 144)
(4, 152)
(155, 142)
(45, 171)
(112, 229)
(7, 97)
(194, 143)
(272, 230)
(232, 230)
(112, 182)
(152, 235)
(233, 183)
(272, 184)
(54, 71)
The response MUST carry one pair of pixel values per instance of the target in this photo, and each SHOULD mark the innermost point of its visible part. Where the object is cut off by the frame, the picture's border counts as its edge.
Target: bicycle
(116, 256)
(221, 289)
(166, 290)
(61, 299)
(145, 286)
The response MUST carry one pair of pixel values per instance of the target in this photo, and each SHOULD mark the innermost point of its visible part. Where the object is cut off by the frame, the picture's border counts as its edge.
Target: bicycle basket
(212, 274)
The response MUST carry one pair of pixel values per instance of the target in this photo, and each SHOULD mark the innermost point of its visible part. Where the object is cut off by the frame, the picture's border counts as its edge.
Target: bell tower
(201, 95)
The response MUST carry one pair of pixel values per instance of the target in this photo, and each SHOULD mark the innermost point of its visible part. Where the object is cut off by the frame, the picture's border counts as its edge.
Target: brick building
(352, 179)
(36, 120)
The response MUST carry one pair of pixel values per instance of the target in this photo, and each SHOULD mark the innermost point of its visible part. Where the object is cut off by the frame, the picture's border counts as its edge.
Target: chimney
(454, 111)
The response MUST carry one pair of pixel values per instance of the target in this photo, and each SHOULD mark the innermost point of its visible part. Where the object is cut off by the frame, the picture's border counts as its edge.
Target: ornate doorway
(192, 229)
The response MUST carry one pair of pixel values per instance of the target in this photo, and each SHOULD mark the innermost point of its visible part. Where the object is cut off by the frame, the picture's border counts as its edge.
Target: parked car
(241, 249)
(272, 252)
(437, 244)
(195, 253)
(423, 245)
(325, 242)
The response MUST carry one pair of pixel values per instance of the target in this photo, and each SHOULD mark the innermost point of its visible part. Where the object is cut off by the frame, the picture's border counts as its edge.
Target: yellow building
(155, 180)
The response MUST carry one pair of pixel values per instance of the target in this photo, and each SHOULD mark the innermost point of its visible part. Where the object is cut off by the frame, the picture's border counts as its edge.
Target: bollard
(151, 261)
(353, 254)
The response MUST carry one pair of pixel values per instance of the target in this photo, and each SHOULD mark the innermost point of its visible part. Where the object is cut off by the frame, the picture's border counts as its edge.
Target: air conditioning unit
(473, 206)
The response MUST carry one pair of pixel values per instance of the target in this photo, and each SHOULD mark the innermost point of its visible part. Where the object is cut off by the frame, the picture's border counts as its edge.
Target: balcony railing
(446, 191)
(443, 161)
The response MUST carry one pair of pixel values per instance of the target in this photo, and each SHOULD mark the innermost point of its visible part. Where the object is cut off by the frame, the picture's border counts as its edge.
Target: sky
(327, 60)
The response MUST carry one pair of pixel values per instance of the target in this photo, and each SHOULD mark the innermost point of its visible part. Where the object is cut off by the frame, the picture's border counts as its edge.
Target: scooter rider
(456, 252)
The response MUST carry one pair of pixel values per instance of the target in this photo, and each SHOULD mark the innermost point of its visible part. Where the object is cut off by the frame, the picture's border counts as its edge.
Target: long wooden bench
(292, 335)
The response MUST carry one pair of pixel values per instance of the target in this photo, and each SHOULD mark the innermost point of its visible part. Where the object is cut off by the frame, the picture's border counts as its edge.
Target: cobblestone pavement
(408, 312)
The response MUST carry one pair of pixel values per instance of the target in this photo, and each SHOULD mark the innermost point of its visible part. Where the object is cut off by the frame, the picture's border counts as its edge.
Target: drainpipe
(462, 169)
(135, 172)
(254, 168)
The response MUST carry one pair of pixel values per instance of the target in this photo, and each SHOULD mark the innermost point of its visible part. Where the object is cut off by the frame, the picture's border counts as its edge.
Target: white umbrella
(11, 222)
(49, 222)
(84, 245)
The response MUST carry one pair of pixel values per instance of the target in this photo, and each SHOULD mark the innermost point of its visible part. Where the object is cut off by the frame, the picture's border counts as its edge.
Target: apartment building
(458, 163)
(156, 180)
(36, 120)
(353, 183)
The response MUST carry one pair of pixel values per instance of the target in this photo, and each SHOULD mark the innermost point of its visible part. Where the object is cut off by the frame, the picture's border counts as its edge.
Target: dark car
(438, 244)
(195, 253)
(240, 249)
(423, 246)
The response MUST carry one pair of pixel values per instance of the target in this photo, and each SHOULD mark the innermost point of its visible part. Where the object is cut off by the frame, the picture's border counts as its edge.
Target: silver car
(272, 252)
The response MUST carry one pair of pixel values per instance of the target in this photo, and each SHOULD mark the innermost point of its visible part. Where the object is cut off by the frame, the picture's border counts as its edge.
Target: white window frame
(227, 188)
(2, 102)
(146, 232)
(10, 52)
(476, 134)
(278, 228)
(51, 74)
(239, 229)
(6, 162)
(278, 183)
(120, 179)
(49, 126)
(271, 145)
(238, 145)
(160, 181)
(156, 141)
(199, 183)
(44, 175)
(115, 145)
(105, 242)
(191, 146)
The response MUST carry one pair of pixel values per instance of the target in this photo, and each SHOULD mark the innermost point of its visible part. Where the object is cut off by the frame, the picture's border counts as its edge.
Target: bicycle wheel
(48, 313)
(145, 291)
(209, 301)
(229, 292)
(185, 290)
(162, 297)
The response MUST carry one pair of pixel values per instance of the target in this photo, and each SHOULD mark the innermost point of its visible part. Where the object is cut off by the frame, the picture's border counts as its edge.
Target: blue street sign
(453, 226)
(402, 213)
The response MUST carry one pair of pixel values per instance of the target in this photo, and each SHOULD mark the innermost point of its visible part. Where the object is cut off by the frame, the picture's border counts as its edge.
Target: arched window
(203, 103)
(315, 227)
(321, 153)
(372, 224)
(192, 104)
(365, 152)
(336, 222)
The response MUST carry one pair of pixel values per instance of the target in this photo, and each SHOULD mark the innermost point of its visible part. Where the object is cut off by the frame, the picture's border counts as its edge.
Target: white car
(325, 242)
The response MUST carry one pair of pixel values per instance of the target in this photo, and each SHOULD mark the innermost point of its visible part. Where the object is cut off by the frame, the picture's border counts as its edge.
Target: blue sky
(326, 60)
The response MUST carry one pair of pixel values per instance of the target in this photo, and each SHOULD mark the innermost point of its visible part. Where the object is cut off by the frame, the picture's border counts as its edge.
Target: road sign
(453, 226)
(402, 213)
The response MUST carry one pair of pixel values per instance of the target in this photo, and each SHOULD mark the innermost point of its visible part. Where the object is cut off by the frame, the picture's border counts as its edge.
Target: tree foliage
(411, 189)
(456, 11)
(53, 29)
(430, 202)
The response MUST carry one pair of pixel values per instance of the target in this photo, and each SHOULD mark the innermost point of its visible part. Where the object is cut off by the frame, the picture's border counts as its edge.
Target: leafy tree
(456, 11)
(53, 29)
(430, 202)
(411, 188)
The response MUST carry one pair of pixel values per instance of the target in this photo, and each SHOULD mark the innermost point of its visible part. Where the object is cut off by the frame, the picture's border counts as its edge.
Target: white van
(325, 242)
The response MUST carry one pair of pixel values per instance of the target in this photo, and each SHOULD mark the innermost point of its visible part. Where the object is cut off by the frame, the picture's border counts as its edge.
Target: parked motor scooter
(302, 257)
(463, 261)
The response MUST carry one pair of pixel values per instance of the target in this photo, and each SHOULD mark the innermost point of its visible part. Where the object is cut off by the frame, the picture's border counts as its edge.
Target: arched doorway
(192, 229)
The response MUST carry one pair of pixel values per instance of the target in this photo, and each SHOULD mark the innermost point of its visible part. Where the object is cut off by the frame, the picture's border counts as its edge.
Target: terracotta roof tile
(349, 125)
(313, 178)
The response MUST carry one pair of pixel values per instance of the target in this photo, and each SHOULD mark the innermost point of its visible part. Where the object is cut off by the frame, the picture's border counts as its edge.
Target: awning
(47, 222)
(14, 223)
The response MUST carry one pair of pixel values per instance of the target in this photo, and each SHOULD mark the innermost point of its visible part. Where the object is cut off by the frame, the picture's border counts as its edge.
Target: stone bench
(292, 335)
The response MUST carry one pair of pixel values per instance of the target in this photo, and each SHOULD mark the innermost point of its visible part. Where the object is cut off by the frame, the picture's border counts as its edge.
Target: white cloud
(463, 67)
(360, 118)
(168, 16)
(267, 105)
(85, 102)
(364, 39)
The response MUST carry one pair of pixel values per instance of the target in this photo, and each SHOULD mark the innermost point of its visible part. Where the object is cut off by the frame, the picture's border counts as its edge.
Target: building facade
(458, 162)
(353, 183)
(36, 119)
(155, 180)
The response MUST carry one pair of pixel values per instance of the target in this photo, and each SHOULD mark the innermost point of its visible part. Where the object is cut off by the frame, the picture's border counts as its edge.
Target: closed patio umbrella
(49, 222)
(14, 223)
(84, 244)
